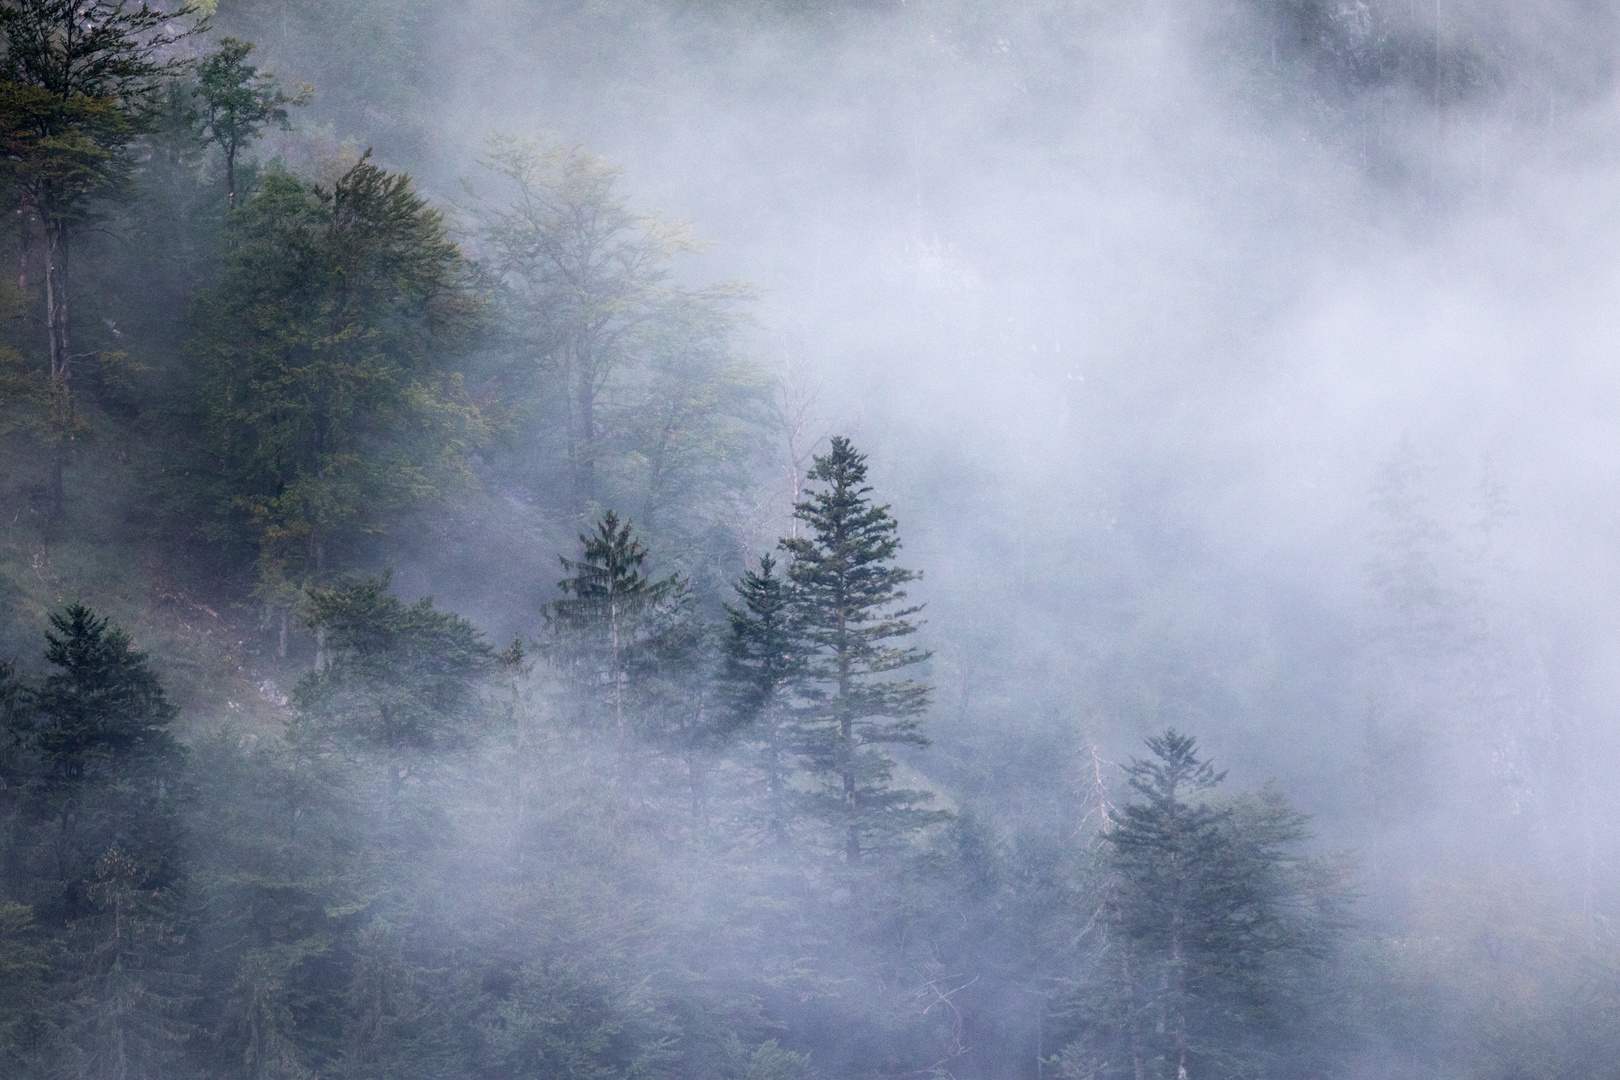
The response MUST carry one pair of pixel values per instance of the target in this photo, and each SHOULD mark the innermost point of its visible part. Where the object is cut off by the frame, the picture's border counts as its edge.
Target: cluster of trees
(681, 825)
(456, 862)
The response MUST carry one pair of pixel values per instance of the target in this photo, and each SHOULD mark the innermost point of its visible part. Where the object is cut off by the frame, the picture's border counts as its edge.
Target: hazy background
(1135, 307)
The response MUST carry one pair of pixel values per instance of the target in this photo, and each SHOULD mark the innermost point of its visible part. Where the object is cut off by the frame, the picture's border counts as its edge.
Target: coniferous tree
(612, 623)
(765, 666)
(105, 770)
(95, 850)
(395, 676)
(848, 608)
(1208, 924)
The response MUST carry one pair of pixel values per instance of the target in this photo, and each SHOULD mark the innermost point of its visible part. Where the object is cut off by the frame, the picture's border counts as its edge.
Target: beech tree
(239, 102)
(850, 613)
(327, 399)
(631, 370)
(79, 80)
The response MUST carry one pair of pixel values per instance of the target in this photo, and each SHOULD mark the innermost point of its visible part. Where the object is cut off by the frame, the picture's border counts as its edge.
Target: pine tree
(848, 610)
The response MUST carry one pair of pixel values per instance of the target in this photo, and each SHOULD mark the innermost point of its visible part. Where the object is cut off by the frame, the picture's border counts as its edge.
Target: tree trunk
(1138, 1052)
(56, 328)
(1178, 997)
(25, 243)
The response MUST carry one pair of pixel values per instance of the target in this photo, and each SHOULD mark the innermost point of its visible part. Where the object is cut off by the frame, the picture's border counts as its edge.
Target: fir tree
(765, 665)
(613, 621)
(401, 677)
(848, 608)
(1206, 928)
(95, 846)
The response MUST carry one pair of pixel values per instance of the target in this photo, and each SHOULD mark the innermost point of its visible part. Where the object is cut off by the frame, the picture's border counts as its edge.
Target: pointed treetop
(1174, 767)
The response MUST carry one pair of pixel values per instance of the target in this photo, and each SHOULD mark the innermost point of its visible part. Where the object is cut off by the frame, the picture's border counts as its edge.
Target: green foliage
(766, 665)
(24, 962)
(848, 610)
(625, 378)
(327, 397)
(92, 847)
(564, 1020)
(616, 629)
(1208, 932)
(395, 676)
(239, 102)
(79, 82)
(96, 768)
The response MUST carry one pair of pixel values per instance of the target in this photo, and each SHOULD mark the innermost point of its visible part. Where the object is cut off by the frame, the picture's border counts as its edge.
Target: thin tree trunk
(1179, 989)
(846, 750)
(56, 328)
(618, 674)
(1138, 1052)
(25, 243)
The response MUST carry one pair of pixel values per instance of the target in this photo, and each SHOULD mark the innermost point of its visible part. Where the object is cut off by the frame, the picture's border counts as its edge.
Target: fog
(1130, 305)
(1241, 368)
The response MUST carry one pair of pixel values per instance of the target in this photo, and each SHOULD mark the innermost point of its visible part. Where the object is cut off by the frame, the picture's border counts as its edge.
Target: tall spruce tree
(849, 611)
(1208, 921)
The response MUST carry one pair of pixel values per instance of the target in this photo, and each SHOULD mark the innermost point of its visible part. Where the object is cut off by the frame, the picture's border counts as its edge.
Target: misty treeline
(667, 805)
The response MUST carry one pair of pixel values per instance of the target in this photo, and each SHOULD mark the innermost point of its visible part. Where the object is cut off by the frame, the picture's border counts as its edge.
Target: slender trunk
(281, 642)
(25, 243)
(1138, 1051)
(56, 327)
(846, 740)
(774, 778)
(230, 176)
(1179, 990)
(618, 674)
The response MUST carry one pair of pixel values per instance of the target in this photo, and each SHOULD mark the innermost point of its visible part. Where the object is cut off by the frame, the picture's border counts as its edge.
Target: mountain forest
(770, 540)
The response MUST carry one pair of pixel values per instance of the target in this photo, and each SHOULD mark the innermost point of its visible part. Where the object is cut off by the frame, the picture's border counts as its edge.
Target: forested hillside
(663, 540)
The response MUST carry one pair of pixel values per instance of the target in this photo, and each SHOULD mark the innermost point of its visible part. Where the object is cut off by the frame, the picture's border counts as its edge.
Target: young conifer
(765, 665)
(612, 620)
